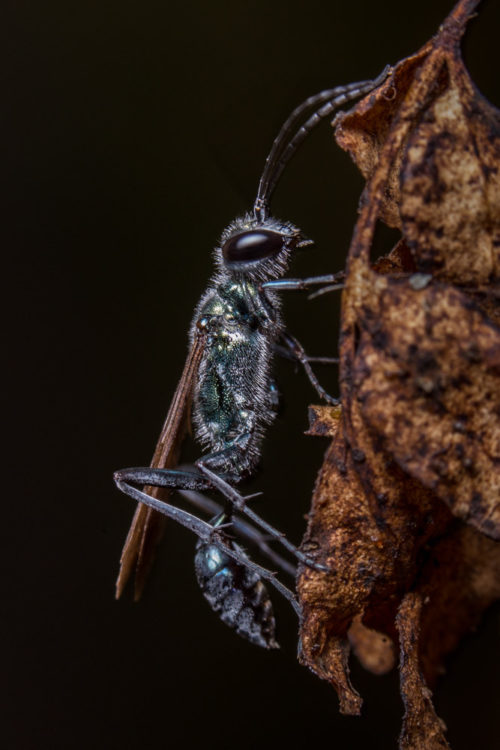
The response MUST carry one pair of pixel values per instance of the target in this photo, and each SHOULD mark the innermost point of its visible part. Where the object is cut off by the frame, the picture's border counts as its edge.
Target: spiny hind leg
(176, 479)
(191, 484)
(203, 530)
(189, 480)
(238, 502)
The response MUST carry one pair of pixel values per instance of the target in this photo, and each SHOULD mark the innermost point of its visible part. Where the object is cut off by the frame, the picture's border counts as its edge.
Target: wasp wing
(147, 525)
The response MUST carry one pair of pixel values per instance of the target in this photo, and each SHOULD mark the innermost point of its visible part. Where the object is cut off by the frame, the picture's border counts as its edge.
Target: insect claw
(331, 400)
(325, 290)
(319, 567)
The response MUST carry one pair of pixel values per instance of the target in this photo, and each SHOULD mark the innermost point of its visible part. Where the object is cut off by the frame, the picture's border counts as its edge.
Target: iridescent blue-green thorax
(233, 401)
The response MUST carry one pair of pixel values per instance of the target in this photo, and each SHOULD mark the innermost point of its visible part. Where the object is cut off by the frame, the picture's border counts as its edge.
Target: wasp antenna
(292, 134)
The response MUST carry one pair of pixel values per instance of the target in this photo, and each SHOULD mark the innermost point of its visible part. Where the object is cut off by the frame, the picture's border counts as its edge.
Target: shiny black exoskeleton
(235, 592)
(236, 330)
(241, 320)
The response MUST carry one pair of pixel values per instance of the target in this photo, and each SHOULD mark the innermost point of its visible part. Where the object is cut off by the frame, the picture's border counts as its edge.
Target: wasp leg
(239, 503)
(244, 529)
(189, 484)
(325, 290)
(297, 351)
(193, 481)
(202, 529)
(333, 280)
(285, 352)
(175, 478)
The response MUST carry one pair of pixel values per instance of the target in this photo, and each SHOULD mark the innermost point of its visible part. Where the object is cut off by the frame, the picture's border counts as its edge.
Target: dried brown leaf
(371, 541)
(450, 183)
(374, 650)
(422, 729)
(416, 448)
(363, 131)
(430, 390)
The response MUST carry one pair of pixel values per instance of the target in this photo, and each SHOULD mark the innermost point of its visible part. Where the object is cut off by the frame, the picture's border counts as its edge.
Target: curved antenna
(291, 136)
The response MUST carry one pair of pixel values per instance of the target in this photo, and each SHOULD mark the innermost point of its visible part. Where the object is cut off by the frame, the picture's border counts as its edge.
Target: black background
(133, 133)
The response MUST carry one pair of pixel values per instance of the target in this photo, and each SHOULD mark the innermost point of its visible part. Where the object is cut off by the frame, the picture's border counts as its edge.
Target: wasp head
(259, 249)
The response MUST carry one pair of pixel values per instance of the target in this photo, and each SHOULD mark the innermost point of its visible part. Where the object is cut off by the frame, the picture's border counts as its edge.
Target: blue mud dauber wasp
(227, 384)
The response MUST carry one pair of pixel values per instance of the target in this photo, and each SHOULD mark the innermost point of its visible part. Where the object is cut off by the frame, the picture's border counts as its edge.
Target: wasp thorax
(253, 245)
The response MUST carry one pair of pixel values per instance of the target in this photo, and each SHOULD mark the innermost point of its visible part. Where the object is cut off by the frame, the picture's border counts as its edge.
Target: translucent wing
(147, 525)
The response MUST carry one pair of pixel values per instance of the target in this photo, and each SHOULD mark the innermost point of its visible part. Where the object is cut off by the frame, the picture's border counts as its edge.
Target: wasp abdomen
(236, 593)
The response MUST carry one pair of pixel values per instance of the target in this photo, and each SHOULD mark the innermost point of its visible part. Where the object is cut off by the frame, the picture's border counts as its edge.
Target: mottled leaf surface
(406, 510)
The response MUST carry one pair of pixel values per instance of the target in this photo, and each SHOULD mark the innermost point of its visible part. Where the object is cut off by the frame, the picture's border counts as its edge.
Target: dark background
(133, 133)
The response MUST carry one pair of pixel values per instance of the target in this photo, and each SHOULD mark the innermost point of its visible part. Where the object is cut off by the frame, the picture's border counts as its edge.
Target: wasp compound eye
(253, 245)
